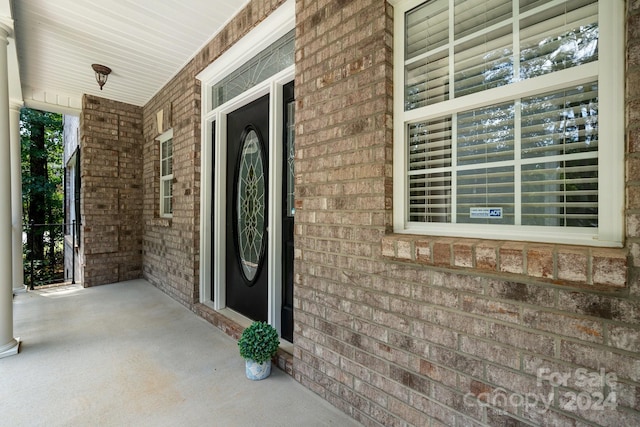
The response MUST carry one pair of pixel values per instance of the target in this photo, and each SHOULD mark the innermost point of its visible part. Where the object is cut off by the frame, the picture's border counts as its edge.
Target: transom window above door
(277, 57)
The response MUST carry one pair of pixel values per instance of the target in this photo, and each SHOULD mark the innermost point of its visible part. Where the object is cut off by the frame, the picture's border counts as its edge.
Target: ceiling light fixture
(102, 73)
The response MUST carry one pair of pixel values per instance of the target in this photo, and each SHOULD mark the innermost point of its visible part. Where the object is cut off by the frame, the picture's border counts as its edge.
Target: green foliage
(49, 185)
(42, 146)
(259, 342)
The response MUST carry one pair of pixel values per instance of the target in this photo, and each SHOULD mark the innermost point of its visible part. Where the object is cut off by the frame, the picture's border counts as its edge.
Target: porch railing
(44, 254)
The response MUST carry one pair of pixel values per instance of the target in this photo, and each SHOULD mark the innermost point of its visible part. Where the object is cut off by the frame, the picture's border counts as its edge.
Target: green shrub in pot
(259, 342)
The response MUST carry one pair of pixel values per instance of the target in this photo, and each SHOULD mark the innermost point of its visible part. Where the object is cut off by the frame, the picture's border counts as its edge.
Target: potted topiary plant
(258, 344)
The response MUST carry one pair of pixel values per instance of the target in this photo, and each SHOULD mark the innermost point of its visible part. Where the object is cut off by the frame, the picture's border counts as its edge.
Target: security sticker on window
(491, 213)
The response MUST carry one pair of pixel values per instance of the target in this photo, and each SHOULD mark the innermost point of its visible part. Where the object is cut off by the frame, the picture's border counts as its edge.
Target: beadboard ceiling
(144, 42)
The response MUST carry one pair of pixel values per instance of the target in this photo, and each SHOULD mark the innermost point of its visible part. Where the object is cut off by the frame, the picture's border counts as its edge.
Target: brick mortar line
(486, 340)
(505, 276)
(605, 323)
(519, 326)
(456, 391)
(512, 277)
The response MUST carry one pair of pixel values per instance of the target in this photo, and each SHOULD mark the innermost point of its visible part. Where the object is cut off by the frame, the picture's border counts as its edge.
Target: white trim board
(213, 198)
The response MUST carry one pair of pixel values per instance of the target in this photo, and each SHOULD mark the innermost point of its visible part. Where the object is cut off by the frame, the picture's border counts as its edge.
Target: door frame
(213, 186)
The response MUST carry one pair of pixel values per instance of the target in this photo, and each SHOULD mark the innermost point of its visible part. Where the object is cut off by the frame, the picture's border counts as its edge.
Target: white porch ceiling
(144, 42)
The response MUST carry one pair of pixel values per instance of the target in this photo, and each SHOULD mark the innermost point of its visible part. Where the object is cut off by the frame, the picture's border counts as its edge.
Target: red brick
(423, 251)
(359, 316)
(540, 261)
(633, 197)
(633, 169)
(404, 249)
(111, 190)
(572, 265)
(486, 350)
(486, 255)
(528, 293)
(442, 252)
(609, 267)
(633, 225)
(633, 136)
(522, 340)
(563, 324)
(625, 338)
(463, 253)
(511, 258)
(493, 309)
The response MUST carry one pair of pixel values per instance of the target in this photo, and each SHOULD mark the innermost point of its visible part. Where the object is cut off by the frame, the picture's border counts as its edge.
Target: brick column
(111, 159)
(16, 194)
(8, 344)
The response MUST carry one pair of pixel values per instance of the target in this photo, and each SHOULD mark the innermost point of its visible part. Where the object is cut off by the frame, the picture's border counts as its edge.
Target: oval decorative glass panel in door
(250, 205)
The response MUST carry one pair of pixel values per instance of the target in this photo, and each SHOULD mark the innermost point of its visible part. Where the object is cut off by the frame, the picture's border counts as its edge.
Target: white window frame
(163, 139)
(70, 204)
(609, 70)
(214, 174)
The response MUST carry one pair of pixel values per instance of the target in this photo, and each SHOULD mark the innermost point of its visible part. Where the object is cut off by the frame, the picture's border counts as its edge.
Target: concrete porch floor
(127, 354)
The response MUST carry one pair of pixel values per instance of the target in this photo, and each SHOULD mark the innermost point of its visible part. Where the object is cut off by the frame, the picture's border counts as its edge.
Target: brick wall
(392, 330)
(111, 192)
(171, 246)
(399, 330)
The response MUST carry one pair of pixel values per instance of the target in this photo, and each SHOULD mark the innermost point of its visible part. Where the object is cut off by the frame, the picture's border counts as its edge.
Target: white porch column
(16, 194)
(8, 344)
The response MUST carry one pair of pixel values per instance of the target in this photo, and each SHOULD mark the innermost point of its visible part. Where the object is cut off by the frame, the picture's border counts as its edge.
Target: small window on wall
(166, 174)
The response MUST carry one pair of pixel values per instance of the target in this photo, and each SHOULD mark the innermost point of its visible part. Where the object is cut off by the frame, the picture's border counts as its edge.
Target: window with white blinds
(166, 174)
(503, 107)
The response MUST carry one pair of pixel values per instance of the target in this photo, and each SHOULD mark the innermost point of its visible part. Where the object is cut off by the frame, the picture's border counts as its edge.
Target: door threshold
(244, 322)
(230, 320)
(233, 323)
(240, 319)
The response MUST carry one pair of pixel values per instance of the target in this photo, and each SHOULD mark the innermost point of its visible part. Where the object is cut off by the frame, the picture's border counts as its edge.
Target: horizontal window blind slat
(487, 142)
(553, 168)
(573, 193)
(430, 164)
(418, 187)
(432, 154)
(556, 40)
(432, 205)
(556, 119)
(427, 35)
(486, 157)
(429, 144)
(427, 27)
(531, 151)
(484, 62)
(471, 15)
(475, 174)
(429, 216)
(479, 199)
(567, 205)
(551, 182)
(427, 81)
(561, 215)
(556, 21)
(428, 136)
(557, 179)
(418, 180)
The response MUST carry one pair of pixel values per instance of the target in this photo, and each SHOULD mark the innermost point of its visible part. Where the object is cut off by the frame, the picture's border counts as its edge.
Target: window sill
(161, 222)
(597, 268)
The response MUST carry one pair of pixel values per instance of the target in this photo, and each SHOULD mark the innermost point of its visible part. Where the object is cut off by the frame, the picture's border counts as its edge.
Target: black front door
(246, 224)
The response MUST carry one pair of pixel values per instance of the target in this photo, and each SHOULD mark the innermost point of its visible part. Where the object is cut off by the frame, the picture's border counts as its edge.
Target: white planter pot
(257, 371)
